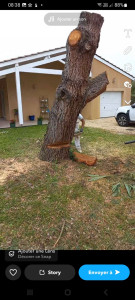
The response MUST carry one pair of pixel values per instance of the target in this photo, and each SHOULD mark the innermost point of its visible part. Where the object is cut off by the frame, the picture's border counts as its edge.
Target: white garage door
(109, 102)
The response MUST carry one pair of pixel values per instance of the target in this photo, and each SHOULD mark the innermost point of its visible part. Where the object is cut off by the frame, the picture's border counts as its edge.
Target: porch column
(90, 74)
(18, 91)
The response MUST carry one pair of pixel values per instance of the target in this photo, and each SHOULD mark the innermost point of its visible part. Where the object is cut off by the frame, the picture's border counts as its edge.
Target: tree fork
(76, 89)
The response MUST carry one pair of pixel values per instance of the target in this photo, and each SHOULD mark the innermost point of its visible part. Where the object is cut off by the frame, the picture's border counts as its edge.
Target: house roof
(31, 57)
(6, 64)
(106, 62)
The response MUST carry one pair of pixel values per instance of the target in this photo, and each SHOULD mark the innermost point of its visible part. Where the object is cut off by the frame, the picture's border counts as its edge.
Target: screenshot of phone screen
(67, 150)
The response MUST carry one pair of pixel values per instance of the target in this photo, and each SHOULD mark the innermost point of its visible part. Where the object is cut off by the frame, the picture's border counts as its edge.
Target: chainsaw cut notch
(58, 146)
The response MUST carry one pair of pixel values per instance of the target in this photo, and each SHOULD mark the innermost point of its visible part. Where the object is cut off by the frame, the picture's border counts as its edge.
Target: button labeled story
(49, 272)
(104, 272)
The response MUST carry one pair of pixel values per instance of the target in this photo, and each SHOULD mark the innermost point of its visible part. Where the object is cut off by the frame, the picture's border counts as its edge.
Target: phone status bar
(59, 6)
(25, 5)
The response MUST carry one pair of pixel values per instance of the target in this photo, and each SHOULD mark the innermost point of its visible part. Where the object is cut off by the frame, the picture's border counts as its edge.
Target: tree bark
(76, 89)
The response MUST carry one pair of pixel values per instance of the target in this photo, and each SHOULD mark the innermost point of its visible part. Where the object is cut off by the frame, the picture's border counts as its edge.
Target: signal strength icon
(99, 4)
(111, 5)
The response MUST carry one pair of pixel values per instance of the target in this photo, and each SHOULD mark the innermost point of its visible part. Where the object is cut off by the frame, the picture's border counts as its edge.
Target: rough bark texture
(76, 89)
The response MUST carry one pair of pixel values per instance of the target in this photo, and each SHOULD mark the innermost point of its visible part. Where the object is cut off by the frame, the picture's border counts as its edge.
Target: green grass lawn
(38, 199)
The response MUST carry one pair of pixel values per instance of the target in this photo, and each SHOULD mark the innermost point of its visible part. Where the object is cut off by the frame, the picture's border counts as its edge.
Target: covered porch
(23, 84)
(6, 124)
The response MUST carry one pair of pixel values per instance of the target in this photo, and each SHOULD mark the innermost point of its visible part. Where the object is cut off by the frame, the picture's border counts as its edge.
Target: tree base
(54, 154)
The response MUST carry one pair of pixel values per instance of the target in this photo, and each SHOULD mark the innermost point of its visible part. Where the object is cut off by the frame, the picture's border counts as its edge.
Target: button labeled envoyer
(49, 272)
(104, 272)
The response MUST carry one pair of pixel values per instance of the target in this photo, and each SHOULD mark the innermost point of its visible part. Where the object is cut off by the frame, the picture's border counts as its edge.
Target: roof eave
(57, 51)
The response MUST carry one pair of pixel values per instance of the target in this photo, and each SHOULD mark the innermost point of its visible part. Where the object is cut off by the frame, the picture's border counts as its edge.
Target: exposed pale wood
(74, 37)
(83, 158)
(58, 146)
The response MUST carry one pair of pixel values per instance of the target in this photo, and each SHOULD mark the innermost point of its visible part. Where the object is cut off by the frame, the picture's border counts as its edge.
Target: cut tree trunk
(76, 89)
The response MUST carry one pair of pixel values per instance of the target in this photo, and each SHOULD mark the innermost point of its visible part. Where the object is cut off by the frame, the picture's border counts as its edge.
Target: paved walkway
(103, 123)
(6, 124)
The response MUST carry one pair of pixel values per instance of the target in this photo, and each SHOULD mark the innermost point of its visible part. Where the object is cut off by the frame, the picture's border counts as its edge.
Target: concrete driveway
(111, 125)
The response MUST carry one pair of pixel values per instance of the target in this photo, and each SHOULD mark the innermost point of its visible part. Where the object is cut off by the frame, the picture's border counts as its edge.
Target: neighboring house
(25, 80)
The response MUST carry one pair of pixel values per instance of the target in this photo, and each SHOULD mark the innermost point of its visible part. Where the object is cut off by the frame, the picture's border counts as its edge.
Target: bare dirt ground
(11, 168)
(111, 125)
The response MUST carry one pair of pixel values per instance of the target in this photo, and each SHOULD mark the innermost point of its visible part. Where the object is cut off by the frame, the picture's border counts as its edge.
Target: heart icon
(13, 272)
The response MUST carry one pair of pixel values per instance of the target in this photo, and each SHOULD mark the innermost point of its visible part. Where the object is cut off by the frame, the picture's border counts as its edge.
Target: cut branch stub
(96, 87)
(74, 37)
